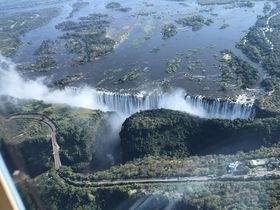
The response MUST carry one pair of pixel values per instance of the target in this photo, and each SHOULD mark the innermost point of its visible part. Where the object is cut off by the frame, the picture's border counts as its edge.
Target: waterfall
(177, 100)
(216, 108)
(13, 84)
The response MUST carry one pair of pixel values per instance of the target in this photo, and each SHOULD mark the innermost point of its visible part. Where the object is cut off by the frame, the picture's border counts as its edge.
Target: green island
(47, 47)
(130, 76)
(195, 22)
(224, 26)
(41, 64)
(168, 30)
(15, 25)
(111, 76)
(67, 81)
(234, 68)
(117, 6)
(87, 37)
(172, 65)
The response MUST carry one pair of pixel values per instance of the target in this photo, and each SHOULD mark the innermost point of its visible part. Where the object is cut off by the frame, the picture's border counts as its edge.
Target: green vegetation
(172, 65)
(225, 25)
(76, 134)
(249, 4)
(22, 134)
(112, 75)
(177, 134)
(117, 6)
(226, 76)
(257, 48)
(22, 129)
(146, 69)
(47, 47)
(155, 143)
(239, 3)
(233, 67)
(195, 22)
(57, 194)
(76, 7)
(130, 76)
(168, 141)
(192, 195)
(87, 37)
(168, 30)
(190, 66)
(235, 195)
(124, 9)
(76, 130)
(109, 75)
(210, 2)
(155, 50)
(67, 81)
(41, 64)
(113, 5)
(267, 7)
(165, 166)
(271, 100)
(14, 25)
(74, 45)
(38, 159)
(145, 14)
(20, 4)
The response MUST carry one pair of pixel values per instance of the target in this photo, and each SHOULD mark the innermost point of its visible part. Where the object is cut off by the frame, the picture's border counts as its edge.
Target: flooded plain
(141, 49)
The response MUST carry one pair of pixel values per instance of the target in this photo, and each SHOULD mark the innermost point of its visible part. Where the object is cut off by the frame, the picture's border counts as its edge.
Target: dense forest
(173, 133)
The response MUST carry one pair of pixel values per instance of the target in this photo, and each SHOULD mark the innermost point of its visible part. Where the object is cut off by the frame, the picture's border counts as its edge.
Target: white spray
(13, 84)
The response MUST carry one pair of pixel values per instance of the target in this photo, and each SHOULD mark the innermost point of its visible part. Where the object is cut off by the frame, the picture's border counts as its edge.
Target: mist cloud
(13, 84)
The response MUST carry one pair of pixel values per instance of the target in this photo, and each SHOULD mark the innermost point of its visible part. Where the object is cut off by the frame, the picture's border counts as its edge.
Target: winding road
(47, 121)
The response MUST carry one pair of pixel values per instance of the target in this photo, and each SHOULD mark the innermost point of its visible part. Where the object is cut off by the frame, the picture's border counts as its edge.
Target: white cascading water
(176, 100)
(13, 84)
